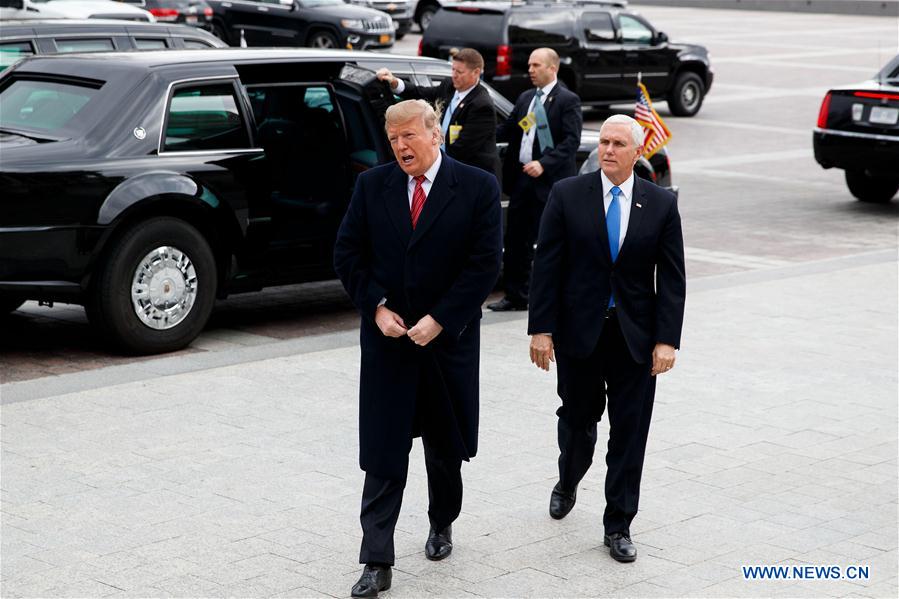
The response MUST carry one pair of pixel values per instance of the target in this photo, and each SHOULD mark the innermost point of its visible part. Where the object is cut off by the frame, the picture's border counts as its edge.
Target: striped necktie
(418, 199)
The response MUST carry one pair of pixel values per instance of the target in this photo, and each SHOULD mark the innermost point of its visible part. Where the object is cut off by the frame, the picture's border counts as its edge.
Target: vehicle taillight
(825, 109)
(165, 14)
(207, 12)
(421, 43)
(877, 95)
(503, 60)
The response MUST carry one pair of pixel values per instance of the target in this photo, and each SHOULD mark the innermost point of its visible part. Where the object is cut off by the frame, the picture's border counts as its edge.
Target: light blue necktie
(613, 226)
(544, 135)
(447, 117)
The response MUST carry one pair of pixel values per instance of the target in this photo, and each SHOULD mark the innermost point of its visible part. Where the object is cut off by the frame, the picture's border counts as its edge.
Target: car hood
(690, 49)
(870, 86)
(74, 10)
(349, 11)
(589, 140)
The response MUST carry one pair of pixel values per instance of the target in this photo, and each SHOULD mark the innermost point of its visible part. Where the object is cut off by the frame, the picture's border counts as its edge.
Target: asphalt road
(752, 196)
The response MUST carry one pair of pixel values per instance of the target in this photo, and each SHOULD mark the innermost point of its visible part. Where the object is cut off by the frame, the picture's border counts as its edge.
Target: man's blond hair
(407, 110)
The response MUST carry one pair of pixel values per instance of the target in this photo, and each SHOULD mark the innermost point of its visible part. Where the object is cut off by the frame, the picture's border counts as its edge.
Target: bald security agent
(608, 306)
(469, 116)
(418, 252)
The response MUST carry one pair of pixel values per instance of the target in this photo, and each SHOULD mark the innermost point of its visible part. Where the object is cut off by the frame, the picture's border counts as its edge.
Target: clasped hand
(392, 325)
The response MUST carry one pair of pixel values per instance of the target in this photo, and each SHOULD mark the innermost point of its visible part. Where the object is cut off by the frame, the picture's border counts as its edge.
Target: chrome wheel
(164, 288)
(690, 95)
(323, 40)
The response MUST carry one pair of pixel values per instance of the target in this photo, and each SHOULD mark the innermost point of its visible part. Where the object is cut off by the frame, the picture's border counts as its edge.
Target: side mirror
(18, 4)
(660, 38)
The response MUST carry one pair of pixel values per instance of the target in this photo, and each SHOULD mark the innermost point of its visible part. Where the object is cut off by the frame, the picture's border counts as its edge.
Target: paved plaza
(774, 441)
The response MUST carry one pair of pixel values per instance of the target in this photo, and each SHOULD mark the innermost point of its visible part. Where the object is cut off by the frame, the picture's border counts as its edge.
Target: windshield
(42, 106)
(889, 73)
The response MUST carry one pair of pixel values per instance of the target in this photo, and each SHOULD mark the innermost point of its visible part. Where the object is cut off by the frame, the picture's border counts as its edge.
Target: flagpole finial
(639, 77)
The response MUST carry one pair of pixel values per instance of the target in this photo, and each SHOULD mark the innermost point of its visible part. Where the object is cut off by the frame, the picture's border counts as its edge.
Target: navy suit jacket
(563, 111)
(574, 274)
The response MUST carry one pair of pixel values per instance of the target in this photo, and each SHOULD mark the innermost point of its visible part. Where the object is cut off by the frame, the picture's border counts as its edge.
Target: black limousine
(145, 185)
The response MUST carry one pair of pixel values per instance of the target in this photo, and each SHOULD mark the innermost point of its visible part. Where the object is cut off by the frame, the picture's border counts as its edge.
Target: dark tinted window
(149, 44)
(452, 25)
(84, 45)
(42, 105)
(196, 44)
(598, 27)
(205, 118)
(633, 31)
(12, 52)
(545, 28)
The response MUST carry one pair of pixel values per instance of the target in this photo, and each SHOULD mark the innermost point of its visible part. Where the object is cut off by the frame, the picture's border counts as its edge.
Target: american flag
(657, 134)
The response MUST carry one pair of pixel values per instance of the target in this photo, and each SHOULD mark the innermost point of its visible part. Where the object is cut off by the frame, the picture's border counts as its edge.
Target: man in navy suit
(418, 252)
(607, 305)
(544, 133)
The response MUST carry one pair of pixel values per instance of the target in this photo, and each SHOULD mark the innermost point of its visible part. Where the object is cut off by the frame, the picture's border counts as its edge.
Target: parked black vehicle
(399, 10)
(146, 184)
(603, 46)
(858, 131)
(313, 23)
(21, 39)
(187, 12)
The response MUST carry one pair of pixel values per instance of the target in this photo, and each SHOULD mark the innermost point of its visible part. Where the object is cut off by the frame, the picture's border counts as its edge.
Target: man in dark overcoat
(469, 117)
(418, 252)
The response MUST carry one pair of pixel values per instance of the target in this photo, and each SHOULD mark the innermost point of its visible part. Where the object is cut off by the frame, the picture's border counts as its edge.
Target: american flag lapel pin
(639, 205)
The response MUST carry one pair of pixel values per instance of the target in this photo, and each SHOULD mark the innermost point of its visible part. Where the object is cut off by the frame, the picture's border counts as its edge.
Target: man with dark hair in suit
(544, 133)
(418, 252)
(469, 117)
(608, 297)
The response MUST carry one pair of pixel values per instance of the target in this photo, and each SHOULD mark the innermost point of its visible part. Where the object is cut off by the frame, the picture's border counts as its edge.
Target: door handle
(262, 8)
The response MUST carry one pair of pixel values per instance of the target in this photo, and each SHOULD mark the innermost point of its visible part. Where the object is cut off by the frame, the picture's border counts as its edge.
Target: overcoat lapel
(396, 198)
(442, 192)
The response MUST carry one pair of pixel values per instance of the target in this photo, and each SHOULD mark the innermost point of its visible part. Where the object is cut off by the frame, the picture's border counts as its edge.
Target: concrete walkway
(774, 441)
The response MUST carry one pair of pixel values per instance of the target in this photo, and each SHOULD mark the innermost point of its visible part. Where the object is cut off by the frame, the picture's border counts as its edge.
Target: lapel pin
(639, 205)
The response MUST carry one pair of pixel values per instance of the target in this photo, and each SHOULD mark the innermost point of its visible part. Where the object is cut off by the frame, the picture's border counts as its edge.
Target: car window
(633, 31)
(12, 52)
(149, 44)
(84, 45)
(205, 117)
(196, 44)
(556, 27)
(42, 105)
(598, 27)
(452, 24)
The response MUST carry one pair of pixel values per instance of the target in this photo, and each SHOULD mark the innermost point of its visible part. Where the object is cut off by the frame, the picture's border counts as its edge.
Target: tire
(686, 95)
(867, 188)
(323, 39)
(165, 268)
(425, 16)
(401, 32)
(10, 303)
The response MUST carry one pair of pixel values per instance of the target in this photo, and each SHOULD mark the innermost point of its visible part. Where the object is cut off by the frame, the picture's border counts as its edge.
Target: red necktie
(418, 199)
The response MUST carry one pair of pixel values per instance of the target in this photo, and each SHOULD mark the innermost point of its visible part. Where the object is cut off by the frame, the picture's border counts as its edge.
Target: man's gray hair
(623, 119)
(409, 109)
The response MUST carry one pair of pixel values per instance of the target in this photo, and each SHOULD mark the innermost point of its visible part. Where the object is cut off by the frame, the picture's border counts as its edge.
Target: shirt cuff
(400, 86)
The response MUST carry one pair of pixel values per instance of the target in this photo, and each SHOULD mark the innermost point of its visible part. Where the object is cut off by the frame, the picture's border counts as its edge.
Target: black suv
(21, 39)
(314, 23)
(602, 45)
(146, 184)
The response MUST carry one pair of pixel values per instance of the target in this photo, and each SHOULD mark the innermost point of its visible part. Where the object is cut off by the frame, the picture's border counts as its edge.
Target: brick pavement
(774, 441)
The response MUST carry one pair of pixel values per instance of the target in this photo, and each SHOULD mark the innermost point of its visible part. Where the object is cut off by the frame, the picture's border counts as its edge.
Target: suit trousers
(607, 377)
(522, 224)
(382, 498)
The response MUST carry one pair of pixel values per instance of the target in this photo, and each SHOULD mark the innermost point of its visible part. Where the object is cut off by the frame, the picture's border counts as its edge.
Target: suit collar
(442, 192)
(636, 215)
(598, 214)
(396, 201)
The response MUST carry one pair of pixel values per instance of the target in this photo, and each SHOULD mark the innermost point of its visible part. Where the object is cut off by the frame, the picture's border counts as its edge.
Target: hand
(662, 358)
(542, 350)
(384, 74)
(424, 331)
(389, 322)
(533, 168)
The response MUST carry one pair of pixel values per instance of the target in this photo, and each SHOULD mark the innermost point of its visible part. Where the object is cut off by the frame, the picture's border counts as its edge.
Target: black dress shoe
(507, 305)
(373, 580)
(561, 502)
(439, 544)
(620, 547)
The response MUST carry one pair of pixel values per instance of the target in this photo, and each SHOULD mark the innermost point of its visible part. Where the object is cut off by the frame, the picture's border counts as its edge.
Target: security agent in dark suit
(544, 133)
(418, 252)
(469, 117)
(608, 299)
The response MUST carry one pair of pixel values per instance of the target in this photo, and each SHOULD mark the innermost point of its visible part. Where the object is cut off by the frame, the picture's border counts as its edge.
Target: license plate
(190, 19)
(384, 38)
(884, 116)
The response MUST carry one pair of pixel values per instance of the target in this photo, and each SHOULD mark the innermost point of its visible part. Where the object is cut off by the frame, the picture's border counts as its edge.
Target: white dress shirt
(624, 202)
(429, 179)
(526, 153)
